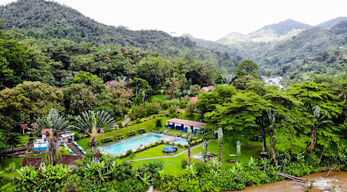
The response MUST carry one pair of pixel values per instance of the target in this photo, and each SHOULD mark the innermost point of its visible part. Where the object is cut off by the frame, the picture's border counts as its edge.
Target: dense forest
(62, 71)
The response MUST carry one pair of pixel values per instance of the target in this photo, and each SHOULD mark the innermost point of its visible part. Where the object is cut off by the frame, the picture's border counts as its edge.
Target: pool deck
(164, 137)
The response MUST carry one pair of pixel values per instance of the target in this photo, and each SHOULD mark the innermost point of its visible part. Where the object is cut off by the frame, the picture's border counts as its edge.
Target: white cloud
(205, 18)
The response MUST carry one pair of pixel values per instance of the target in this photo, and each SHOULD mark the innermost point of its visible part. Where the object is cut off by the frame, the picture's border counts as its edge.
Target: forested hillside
(317, 50)
(46, 19)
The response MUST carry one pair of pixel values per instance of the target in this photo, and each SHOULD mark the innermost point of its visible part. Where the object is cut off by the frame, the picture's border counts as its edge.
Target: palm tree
(94, 124)
(189, 139)
(319, 120)
(220, 143)
(55, 123)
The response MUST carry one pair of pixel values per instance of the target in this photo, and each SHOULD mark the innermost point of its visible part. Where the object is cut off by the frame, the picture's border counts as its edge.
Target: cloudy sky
(207, 19)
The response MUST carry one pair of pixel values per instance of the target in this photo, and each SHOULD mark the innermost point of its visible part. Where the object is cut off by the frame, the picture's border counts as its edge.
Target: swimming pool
(181, 141)
(124, 146)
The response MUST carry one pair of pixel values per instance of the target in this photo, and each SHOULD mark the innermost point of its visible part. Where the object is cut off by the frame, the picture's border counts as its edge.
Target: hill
(332, 22)
(46, 19)
(269, 33)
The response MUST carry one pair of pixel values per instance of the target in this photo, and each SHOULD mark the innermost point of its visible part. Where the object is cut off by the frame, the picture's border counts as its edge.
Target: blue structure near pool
(184, 125)
(169, 149)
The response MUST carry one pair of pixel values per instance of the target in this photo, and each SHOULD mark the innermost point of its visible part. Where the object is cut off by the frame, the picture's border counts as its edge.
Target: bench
(142, 131)
(107, 139)
(131, 133)
(118, 137)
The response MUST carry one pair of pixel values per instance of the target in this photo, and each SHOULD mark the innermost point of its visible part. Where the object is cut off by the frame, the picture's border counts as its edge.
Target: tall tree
(247, 67)
(12, 140)
(189, 140)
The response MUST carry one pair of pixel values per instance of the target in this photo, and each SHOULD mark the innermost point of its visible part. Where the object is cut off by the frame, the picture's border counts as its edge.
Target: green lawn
(148, 125)
(23, 139)
(153, 152)
(195, 117)
(173, 165)
(159, 96)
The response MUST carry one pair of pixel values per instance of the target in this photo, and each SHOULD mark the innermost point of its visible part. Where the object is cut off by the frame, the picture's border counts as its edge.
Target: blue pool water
(123, 147)
(181, 141)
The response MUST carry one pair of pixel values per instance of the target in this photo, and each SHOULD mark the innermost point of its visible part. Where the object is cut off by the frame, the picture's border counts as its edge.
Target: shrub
(157, 143)
(186, 146)
(129, 152)
(184, 163)
(77, 136)
(11, 167)
(172, 110)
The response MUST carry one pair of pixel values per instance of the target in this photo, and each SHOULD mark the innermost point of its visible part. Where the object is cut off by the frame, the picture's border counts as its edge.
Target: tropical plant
(55, 123)
(94, 124)
(319, 120)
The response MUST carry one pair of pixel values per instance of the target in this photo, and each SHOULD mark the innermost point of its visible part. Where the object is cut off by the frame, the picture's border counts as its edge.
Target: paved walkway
(162, 157)
(75, 149)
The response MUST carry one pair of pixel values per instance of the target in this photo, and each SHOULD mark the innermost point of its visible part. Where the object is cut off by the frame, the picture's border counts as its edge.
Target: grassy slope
(159, 96)
(173, 165)
(148, 125)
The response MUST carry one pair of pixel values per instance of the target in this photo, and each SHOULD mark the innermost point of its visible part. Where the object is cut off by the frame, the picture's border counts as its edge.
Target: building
(193, 100)
(207, 89)
(184, 125)
(23, 128)
(69, 160)
(33, 161)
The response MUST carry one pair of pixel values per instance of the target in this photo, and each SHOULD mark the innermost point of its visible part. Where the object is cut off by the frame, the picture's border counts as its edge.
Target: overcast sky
(210, 19)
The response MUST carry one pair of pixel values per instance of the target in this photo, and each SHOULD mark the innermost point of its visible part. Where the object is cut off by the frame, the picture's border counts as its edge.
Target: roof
(44, 131)
(204, 89)
(207, 89)
(186, 122)
(24, 126)
(69, 159)
(32, 161)
(194, 100)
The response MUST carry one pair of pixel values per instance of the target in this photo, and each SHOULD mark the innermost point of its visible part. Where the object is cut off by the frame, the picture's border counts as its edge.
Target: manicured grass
(159, 96)
(153, 152)
(194, 117)
(148, 125)
(175, 132)
(173, 165)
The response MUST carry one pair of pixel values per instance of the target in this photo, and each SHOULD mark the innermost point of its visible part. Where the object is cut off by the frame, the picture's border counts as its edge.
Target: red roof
(194, 100)
(204, 89)
(210, 87)
(32, 161)
(44, 131)
(24, 126)
(69, 159)
(207, 89)
(186, 122)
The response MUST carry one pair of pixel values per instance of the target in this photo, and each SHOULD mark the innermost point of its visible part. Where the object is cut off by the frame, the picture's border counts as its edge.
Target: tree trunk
(263, 137)
(314, 139)
(272, 145)
(189, 154)
(51, 151)
(220, 153)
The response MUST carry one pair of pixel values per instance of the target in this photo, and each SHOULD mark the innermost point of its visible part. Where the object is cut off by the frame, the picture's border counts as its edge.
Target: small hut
(69, 160)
